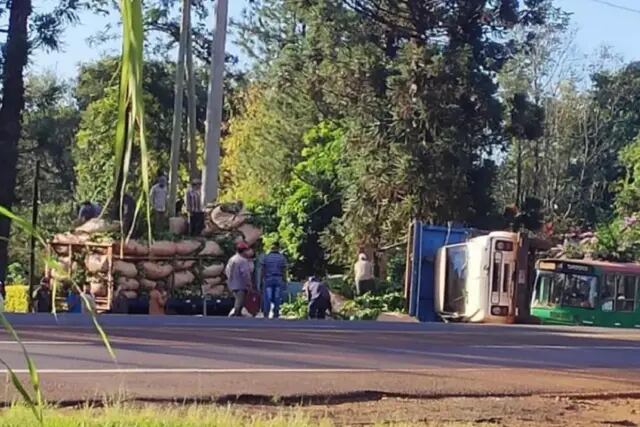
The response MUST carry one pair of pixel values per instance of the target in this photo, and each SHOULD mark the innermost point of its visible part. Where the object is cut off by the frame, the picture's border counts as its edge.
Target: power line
(617, 6)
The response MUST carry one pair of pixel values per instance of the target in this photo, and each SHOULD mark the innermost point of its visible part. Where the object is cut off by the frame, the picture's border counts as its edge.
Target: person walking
(274, 272)
(239, 272)
(42, 301)
(318, 297)
(158, 197)
(193, 202)
(157, 300)
(363, 271)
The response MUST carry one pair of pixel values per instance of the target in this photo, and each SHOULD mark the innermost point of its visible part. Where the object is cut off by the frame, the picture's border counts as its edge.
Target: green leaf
(38, 405)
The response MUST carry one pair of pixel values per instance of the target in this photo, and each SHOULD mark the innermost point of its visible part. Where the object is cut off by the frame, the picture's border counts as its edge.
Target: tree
(413, 86)
(13, 63)
(97, 94)
(44, 29)
(50, 122)
(312, 199)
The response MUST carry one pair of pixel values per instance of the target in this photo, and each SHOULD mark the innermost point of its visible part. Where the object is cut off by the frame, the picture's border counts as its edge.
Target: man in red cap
(239, 274)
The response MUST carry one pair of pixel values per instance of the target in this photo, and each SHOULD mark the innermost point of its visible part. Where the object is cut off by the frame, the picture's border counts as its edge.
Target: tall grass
(191, 416)
(130, 126)
(129, 129)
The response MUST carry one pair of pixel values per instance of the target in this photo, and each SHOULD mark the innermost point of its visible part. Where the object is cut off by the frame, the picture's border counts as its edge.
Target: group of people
(193, 202)
(78, 301)
(158, 195)
(239, 272)
(240, 281)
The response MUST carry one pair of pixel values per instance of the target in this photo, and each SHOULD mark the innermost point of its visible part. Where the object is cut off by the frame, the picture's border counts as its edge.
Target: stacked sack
(184, 265)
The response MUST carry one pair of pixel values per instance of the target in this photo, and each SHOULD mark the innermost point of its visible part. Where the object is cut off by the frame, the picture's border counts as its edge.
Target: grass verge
(153, 416)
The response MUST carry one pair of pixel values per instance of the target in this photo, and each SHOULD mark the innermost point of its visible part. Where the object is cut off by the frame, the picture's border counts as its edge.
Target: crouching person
(318, 296)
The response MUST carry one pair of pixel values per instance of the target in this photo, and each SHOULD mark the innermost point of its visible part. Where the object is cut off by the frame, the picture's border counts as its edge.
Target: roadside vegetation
(193, 416)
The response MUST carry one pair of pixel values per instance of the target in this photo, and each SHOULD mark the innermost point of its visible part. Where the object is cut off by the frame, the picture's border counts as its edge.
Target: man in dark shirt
(274, 271)
(42, 297)
(318, 296)
(88, 210)
(195, 211)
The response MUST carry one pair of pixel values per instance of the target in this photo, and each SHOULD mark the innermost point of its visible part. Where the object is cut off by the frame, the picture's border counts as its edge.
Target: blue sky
(597, 24)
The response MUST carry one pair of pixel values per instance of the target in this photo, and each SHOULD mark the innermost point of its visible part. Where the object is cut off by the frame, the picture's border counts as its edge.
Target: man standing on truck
(158, 197)
(274, 272)
(194, 208)
(88, 210)
(239, 271)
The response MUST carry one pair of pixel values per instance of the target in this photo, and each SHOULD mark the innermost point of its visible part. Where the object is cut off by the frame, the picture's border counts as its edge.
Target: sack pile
(184, 265)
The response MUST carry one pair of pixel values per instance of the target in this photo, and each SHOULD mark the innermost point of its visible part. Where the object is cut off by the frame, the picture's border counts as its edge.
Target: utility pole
(191, 110)
(176, 136)
(34, 225)
(214, 104)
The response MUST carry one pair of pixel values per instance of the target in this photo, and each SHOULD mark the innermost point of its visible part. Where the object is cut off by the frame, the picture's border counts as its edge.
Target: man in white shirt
(363, 271)
(158, 198)
(193, 201)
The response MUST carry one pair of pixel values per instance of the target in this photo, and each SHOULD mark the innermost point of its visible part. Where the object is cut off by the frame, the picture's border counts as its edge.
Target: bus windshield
(455, 294)
(565, 289)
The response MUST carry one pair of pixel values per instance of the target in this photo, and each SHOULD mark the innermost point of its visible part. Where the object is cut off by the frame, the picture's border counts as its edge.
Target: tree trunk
(518, 195)
(176, 136)
(15, 60)
(192, 145)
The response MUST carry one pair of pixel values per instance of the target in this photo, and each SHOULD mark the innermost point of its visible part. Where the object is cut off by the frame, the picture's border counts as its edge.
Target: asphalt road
(167, 358)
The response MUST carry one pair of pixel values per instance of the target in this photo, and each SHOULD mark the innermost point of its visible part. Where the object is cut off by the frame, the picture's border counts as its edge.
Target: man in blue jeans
(274, 272)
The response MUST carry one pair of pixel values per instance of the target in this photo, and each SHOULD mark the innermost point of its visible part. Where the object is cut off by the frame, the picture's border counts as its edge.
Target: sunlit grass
(153, 416)
(189, 416)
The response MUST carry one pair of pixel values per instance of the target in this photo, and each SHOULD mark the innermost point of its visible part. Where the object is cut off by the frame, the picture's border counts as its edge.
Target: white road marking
(45, 342)
(245, 370)
(384, 349)
(559, 347)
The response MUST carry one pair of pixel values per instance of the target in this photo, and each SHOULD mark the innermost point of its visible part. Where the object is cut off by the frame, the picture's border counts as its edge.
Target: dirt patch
(498, 411)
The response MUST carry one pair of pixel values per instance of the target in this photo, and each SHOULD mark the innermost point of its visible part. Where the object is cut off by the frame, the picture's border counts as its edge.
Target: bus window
(541, 291)
(579, 291)
(455, 292)
(608, 292)
(548, 290)
(625, 294)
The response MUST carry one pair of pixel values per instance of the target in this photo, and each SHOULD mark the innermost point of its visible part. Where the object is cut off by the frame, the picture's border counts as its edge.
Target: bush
(17, 299)
(369, 306)
(297, 308)
(341, 285)
(16, 273)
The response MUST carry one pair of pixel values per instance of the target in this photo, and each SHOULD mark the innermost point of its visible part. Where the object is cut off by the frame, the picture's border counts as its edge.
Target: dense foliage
(354, 117)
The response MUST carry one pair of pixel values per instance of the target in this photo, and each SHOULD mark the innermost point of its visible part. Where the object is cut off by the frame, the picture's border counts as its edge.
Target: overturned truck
(189, 268)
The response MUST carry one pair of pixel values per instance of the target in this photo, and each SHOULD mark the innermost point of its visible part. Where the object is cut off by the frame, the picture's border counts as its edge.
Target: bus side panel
(618, 319)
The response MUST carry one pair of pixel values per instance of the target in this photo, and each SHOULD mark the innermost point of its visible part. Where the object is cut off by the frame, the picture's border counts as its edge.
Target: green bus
(581, 292)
